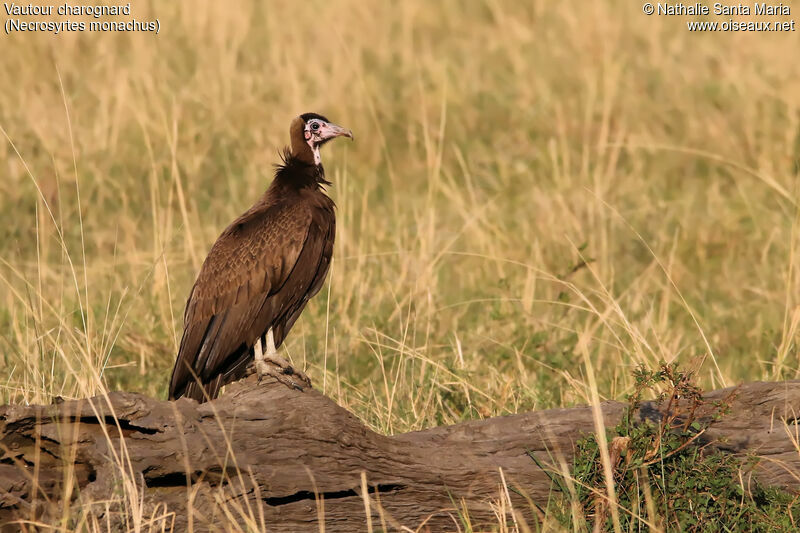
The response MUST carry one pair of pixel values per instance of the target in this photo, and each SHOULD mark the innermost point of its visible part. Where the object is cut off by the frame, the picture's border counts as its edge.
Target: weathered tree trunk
(267, 455)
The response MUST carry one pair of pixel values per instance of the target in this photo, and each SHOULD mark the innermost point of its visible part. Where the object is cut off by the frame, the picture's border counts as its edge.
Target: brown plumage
(261, 271)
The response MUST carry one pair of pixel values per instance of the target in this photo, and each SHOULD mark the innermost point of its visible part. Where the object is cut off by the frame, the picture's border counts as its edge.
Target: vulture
(260, 273)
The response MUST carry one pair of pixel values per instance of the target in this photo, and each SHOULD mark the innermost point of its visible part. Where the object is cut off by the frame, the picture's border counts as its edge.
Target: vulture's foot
(280, 369)
(272, 364)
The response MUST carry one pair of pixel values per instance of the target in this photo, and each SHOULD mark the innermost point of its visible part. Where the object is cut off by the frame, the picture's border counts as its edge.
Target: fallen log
(266, 456)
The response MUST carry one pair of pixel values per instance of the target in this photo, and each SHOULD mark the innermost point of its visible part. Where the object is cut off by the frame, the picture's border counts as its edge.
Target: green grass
(541, 198)
(665, 477)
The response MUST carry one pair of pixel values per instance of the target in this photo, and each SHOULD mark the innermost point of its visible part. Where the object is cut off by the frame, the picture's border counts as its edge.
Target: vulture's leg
(285, 366)
(271, 344)
(266, 363)
(262, 367)
(258, 355)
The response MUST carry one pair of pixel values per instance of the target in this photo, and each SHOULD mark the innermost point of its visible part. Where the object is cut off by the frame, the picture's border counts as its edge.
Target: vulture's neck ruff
(297, 172)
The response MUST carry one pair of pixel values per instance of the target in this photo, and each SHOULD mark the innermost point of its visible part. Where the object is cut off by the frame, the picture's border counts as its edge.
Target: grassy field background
(541, 196)
(500, 146)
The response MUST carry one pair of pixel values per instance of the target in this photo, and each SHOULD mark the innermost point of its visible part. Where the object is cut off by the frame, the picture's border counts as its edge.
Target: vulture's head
(309, 131)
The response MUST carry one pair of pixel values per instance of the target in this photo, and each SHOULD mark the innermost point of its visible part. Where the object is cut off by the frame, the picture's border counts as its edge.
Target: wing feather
(250, 262)
(312, 271)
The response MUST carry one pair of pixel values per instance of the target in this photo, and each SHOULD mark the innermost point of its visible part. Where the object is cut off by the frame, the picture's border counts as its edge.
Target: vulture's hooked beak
(329, 130)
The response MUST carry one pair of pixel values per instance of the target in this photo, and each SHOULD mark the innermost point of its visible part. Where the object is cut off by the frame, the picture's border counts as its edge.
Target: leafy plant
(667, 476)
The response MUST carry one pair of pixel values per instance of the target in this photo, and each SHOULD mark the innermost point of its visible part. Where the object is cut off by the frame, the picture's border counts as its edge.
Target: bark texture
(265, 456)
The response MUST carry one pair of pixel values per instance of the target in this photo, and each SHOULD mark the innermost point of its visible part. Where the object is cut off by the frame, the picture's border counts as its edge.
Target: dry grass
(540, 197)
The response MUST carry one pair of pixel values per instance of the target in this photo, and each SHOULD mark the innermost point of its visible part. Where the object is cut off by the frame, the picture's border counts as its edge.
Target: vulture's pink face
(317, 132)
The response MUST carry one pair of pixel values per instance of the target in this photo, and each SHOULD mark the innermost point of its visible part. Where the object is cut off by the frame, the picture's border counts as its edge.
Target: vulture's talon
(302, 376)
(283, 373)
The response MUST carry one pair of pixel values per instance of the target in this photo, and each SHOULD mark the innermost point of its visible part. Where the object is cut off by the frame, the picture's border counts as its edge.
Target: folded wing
(258, 275)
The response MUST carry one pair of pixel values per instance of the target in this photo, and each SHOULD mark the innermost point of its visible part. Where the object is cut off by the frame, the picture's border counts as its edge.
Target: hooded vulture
(260, 273)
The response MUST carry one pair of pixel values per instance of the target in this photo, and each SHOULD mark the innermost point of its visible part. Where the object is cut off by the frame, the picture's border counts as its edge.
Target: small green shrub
(667, 477)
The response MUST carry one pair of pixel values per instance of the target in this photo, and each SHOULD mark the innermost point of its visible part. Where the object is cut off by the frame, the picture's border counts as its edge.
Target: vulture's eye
(315, 126)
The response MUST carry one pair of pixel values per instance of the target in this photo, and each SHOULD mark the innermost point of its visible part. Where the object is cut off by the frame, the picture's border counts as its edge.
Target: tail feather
(198, 391)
